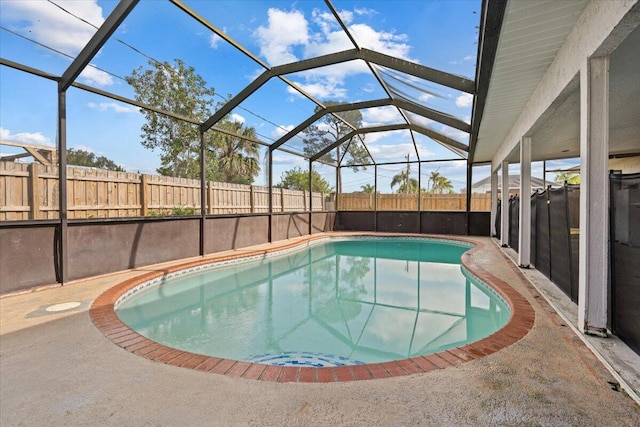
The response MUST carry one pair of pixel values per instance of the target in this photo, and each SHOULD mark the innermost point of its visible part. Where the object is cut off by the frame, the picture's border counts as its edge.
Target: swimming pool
(336, 302)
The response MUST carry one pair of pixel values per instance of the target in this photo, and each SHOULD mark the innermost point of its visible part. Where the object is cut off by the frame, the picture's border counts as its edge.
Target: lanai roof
(517, 43)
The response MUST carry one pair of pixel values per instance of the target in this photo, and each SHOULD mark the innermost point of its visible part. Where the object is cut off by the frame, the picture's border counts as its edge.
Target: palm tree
(569, 178)
(368, 188)
(238, 158)
(405, 183)
(439, 183)
(442, 185)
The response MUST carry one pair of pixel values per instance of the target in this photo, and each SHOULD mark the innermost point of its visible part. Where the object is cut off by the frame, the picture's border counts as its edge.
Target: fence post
(144, 195)
(304, 200)
(252, 202)
(34, 191)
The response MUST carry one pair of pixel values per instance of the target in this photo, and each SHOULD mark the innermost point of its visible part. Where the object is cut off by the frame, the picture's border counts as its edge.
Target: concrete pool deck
(56, 367)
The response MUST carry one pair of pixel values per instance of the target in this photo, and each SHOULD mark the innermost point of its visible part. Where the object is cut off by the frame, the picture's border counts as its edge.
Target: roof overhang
(534, 88)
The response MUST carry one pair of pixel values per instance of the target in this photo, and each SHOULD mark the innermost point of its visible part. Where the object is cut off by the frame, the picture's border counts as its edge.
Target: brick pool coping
(522, 318)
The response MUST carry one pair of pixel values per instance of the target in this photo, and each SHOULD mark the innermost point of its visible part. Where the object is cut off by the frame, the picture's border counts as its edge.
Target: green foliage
(178, 89)
(439, 184)
(298, 179)
(237, 157)
(406, 184)
(368, 188)
(331, 129)
(570, 178)
(176, 211)
(79, 157)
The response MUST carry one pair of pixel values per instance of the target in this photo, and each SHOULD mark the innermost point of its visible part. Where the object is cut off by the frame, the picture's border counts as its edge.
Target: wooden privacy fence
(409, 202)
(30, 191)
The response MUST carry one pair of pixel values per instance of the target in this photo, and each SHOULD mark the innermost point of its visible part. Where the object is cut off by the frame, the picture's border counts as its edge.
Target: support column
(524, 234)
(594, 215)
(504, 211)
(62, 186)
(203, 192)
(310, 199)
(494, 202)
(270, 199)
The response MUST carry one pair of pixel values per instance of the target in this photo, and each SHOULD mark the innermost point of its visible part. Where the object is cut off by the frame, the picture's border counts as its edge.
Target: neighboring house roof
(484, 185)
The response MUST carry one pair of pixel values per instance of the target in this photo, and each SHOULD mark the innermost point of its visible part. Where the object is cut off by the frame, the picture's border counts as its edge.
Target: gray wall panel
(322, 222)
(479, 223)
(399, 222)
(27, 257)
(444, 222)
(225, 233)
(107, 247)
(355, 221)
(289, 225)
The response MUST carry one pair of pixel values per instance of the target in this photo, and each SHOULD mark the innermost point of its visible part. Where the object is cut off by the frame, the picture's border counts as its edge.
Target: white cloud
(289, 37)
(381, 41)
(322, 90)
(464, 100)
(387, 152)
(93, 76)
(346, 16)
(418, 119)
(425, 97)
(51, 26)
(456, 134)
(284, 31)
(469, 58)
(118, 108)
(214, 41)
(35, 138)
(84, 148)
(237, 118)
(365, 11)
(380, 115)
(281, 131)
(289, 160)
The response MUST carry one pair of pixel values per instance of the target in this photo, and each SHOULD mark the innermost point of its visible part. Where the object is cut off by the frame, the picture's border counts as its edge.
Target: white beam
(594, 218)
(494, 202)
(504, 211)
(524, 236)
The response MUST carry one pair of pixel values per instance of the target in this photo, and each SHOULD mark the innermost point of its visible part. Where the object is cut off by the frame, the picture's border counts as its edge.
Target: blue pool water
(333, 303)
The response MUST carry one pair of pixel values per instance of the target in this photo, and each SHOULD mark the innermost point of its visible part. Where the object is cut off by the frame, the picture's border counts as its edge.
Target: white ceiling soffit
(531, 35)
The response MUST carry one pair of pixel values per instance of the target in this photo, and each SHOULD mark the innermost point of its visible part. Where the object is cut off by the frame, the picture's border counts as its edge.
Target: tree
(238, 158)
(78, 157)
(405, 183)
(439, 183)
(298, 179)
(368, 188)
(442, 185)
(329, 130)
(569, 178)
(403, 180)
(178, 89)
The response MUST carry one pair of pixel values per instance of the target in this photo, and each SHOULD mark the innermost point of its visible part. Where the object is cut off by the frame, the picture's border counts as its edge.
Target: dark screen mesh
(573, 198)
(625, 258)
(543, 260)
(560, 242)
(498, 216)
(514, 228)
(532, 251)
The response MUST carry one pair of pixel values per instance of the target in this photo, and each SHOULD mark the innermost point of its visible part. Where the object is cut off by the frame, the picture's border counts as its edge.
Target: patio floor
(58, 368)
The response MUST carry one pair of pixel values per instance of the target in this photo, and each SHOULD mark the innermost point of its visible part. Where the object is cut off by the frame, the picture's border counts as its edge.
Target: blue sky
(440, 34)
